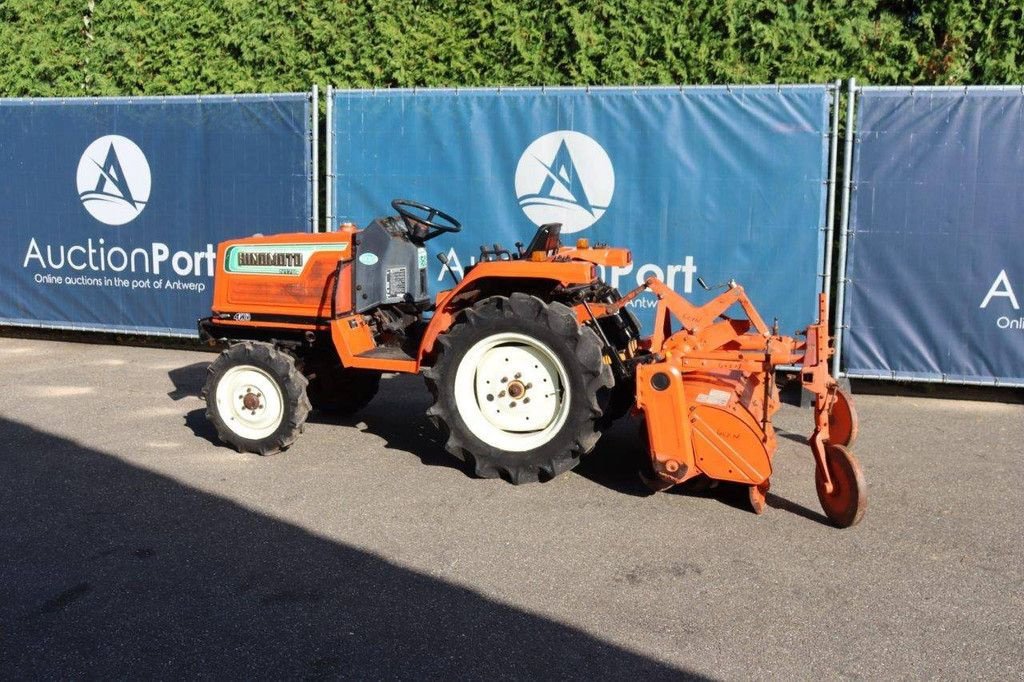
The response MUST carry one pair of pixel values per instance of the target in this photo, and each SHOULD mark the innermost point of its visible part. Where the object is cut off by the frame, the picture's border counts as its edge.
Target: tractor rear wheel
(619, 400)
(256, 398)
(516, 386)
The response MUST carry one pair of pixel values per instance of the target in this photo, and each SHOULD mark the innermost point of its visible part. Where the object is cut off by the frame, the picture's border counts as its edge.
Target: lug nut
(490, 396)
(526, 400)
(512, 404)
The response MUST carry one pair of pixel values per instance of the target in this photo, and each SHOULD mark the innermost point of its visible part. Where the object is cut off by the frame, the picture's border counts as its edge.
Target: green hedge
(85, 47)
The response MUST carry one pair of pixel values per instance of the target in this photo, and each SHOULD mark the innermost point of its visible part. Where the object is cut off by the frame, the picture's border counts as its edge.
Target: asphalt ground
(134, 546)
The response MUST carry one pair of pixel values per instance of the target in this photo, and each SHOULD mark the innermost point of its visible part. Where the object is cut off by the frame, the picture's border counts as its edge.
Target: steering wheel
(423, 227)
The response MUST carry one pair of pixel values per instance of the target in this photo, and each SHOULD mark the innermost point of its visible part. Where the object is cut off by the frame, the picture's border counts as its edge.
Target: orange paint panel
(286, 274)
(351, 336)
(727, 445)
(564, 272)
(386, 365)
(661, 396)
(721, 418)
(271, 325)
(613, 257)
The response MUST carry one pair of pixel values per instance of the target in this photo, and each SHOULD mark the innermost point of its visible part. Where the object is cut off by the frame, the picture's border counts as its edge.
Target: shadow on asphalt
(188, 380)
(613, 464)
(776, 502)
(110, 570)
(398, 415)
(789, 435)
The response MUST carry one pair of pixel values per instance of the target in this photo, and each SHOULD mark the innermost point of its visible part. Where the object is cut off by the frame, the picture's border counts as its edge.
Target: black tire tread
(580, 341)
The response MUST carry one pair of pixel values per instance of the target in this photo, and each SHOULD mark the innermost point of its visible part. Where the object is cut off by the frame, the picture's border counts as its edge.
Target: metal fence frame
(830, 210)
(329, 225)
(850, 186)
(844, 226)
(314, 129)
(831, 228)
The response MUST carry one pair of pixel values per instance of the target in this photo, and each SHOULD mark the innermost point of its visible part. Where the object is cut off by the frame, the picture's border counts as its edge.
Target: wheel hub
(518, 388)
(251, 401)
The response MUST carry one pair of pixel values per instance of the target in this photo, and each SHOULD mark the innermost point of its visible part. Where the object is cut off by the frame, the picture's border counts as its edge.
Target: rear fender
(458, 299)
(501, 278)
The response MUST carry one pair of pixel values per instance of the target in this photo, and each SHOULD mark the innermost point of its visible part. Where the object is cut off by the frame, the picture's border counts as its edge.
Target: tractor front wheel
(256, 398)
(517, 384)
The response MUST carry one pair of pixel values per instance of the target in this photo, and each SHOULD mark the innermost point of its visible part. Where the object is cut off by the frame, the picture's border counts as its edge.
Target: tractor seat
(546, 240)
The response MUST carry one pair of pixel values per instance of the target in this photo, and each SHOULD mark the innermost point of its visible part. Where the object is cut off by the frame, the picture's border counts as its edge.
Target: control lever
(443, 257)
(731, 284)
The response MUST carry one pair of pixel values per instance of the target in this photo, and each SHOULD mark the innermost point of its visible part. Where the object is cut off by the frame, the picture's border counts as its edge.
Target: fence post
(316, 157)
(844, 224)
(329, 159)
(830, 216)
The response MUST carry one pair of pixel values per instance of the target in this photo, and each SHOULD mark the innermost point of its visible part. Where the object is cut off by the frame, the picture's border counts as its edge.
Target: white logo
(113, 180)
(565, 177)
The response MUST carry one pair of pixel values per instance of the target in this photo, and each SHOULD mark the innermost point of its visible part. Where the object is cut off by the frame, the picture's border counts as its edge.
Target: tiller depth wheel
(845, 503)
(842, 420)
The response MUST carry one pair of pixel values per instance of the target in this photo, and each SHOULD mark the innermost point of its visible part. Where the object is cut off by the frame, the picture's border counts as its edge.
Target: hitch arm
(815, 377)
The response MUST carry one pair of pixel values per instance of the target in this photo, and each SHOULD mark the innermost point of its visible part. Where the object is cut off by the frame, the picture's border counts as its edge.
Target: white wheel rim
(512, 392)
(250, 402)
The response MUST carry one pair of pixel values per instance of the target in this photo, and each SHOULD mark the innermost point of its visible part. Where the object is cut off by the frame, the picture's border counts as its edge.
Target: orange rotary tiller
(708, 396)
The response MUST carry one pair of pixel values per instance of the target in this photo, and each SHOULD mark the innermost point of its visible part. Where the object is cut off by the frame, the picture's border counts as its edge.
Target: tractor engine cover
(390, 268)
(287, 276)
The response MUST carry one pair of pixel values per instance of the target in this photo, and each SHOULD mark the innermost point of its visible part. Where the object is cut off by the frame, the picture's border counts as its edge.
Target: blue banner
(715, 182)
(111, 209)
(937, 229)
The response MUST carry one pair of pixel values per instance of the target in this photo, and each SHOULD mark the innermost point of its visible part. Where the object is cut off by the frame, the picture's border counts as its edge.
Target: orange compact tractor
(528, 357)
